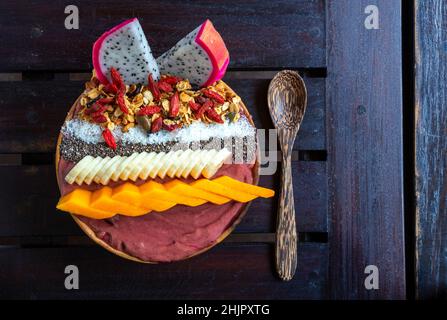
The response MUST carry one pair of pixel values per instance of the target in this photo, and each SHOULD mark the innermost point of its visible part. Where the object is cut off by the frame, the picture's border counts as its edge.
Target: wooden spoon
(287, 99)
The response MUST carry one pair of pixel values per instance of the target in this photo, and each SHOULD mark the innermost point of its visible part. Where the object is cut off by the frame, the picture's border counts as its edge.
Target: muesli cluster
(167, 104)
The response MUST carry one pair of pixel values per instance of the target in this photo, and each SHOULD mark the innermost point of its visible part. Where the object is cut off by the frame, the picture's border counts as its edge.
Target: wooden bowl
(92, 235)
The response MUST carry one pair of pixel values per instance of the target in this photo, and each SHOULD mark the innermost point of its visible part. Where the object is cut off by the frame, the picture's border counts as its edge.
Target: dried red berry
(171, 80)
(95, 109)
(156, 125)
(121, 101)
(148, 110)
(170, 127)
(213, 115)
(208, 104)
(99, 118)
(116, 79)
(213, 95)
(110, 88)
(194, 106)
(153, 87)
(105, 101)
(174, 105)
(164, 86)
(109, 138)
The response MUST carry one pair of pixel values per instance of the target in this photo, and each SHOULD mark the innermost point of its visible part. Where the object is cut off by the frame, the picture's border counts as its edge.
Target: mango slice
(155, 190)
(78, 202)
(222, 190)
(130, 200)
(102, 199)
(245, 187)
(179, 187)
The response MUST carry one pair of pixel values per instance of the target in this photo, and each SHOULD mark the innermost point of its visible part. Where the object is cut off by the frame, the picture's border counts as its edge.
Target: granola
(167, 104)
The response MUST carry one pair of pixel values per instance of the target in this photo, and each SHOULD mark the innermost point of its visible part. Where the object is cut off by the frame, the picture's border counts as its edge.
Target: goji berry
(109, 138)
(156, 125)
(203, 108)
(110, 88)
(121, 101)
(148, 110)
(96, 108)
(213, 115)
(99, 118)
(105, 101)
(194, 106)
(171, 80)
(153, 87)
(174, 105)
(164, 86)
(170, 127)
(116, 79)
(213, 95)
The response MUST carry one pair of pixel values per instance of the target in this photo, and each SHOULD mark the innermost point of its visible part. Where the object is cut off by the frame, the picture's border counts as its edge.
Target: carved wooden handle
(286, 237)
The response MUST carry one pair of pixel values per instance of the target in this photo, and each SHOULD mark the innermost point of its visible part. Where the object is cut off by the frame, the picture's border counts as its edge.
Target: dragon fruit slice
(201, 56)
(124, 48)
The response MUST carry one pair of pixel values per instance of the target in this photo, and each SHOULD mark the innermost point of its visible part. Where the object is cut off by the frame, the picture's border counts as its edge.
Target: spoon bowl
(287, 101)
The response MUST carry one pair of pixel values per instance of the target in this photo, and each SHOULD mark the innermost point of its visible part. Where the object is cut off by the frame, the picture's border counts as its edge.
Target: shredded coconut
(198, 131)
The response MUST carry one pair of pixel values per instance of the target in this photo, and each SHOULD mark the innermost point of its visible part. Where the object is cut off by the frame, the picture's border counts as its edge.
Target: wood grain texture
(28, 208)
(286, 237)
(364, 101)
(35, 38)
(32, 122)
(218, 274)
(431, 148)
(287, 100)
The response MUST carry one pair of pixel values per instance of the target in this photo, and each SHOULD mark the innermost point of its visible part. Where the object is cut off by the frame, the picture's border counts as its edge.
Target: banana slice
(128, 167)
(110, 167)
(119, 168)
(215, 163)
(90, 165)
(89, 178)
(193, 160)
(76, 170)
(179, 163)
(169, 159)
(159, 161)
(147, 164)
(183, 160)
(138, 166)
(197, 169)
(175, 163)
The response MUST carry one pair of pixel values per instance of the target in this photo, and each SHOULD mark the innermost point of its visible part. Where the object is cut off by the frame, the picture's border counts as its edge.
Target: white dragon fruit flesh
(124, 48)
(201, 57)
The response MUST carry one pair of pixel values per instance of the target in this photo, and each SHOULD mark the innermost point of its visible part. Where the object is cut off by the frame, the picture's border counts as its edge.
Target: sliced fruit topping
(131, 200)
(201, 56)
(126, 49)
(180, 163)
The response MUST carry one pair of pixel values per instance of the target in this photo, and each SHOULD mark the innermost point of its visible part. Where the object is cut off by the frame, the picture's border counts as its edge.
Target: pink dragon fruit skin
(201, 57)
(125, 48)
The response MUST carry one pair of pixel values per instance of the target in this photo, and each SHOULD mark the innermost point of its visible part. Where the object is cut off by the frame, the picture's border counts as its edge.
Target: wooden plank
(35, 38)
(35, 110)
(28, 196)
(225, 272)
(431, 146)
(364, 95)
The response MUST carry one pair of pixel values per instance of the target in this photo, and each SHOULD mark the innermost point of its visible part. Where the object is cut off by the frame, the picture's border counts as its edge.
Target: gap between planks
(18, 159)
(82, 240)
(261, 74)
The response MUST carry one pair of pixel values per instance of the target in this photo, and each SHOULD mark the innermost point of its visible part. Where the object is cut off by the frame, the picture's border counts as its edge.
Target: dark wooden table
(356, 167)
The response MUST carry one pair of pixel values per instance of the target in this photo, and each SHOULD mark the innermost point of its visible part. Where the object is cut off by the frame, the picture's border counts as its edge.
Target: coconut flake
(198, 131)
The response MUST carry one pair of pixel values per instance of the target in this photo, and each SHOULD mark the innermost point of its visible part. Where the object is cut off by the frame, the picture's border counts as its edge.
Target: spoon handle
(286, 237)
